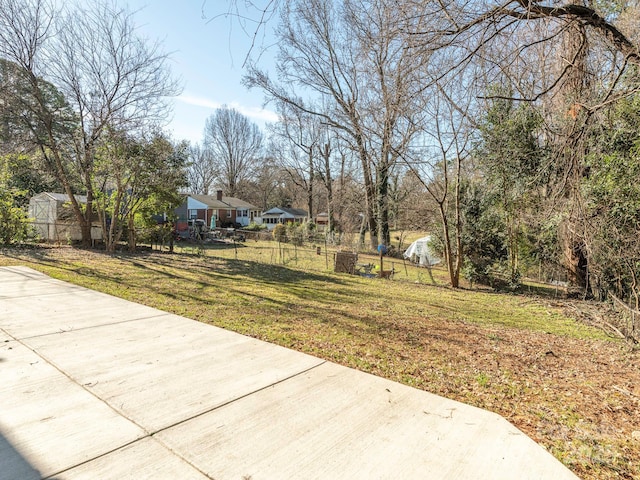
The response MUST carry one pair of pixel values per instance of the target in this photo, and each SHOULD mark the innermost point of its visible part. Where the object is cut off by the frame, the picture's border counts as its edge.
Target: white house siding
(242, 216)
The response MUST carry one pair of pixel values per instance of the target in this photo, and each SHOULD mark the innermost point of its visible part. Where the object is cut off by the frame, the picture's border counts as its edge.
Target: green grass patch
(247, 294)
(510, 353)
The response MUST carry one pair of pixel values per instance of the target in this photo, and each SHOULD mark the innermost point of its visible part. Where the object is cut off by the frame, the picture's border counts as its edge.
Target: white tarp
(419, 252)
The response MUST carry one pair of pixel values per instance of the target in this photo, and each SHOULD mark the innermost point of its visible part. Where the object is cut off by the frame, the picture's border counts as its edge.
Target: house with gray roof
(277, 215)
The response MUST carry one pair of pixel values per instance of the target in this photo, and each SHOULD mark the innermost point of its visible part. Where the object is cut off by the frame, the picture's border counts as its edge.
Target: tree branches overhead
(76, 75)
(572, 12)
(506, 35)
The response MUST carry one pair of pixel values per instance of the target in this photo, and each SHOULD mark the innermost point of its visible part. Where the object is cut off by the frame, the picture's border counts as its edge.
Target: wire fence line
(315, 254)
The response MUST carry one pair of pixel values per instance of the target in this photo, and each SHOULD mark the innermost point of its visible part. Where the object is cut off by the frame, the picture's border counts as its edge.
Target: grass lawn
(567, 385)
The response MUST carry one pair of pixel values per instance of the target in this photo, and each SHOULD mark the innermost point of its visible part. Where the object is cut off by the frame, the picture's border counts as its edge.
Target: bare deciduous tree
(235, 143)
(107, 74)
(438, 163)
(201, 170)
(354, 56)
(298, 135)
(268, 185)
(26, 29)
(112, 77)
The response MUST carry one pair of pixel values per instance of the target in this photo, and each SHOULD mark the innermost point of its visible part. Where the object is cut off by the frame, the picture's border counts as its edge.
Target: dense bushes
(296, 233)
(14, 223)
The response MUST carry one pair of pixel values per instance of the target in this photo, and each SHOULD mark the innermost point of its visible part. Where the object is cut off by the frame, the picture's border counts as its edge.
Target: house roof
(284, 211)
(61, 197)
(296, 212)
(237, 203)
(212, 201)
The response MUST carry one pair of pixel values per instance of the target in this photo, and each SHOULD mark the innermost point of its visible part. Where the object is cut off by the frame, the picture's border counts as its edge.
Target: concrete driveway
(96, 387)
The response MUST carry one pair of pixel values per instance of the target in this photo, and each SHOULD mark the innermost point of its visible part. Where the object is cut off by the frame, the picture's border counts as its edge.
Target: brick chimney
(219, 195)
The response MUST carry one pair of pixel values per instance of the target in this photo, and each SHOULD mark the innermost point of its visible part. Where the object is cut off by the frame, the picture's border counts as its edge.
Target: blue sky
(207, 54)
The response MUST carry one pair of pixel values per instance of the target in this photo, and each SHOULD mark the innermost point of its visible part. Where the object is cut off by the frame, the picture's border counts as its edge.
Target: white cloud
(258, 114)
(198, 101)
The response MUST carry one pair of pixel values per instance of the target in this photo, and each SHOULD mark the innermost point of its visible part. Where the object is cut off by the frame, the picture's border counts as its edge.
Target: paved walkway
(95, 387)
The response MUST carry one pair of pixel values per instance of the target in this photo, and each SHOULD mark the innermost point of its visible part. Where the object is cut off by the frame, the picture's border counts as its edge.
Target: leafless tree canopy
(201, 170)
(90, 60)
(234, 143)
(108, 70)
(296, 139)
(355, 57)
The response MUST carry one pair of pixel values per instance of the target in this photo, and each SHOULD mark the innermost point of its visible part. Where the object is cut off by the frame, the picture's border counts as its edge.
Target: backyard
(540, 361)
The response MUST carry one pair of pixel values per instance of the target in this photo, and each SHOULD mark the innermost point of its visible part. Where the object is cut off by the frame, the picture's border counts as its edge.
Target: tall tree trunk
(310, 185)
(88, 213)
(326, 152)
(382, 198)
(370, 195)
(131, 232)
(52, 152)
(339, 207)
(455, 282)
(448, 254)
(573, 88)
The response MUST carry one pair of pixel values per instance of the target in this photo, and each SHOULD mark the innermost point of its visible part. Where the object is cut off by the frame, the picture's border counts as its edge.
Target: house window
(228, 213)
(193, 214)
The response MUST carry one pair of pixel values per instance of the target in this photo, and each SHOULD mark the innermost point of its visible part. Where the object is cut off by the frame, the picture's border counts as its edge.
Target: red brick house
(215, 211)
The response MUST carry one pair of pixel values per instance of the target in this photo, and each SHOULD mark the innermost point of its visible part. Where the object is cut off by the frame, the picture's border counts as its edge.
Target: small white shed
(54, 220)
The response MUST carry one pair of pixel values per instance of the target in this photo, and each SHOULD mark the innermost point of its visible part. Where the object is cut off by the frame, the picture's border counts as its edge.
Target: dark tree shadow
(13, 465)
